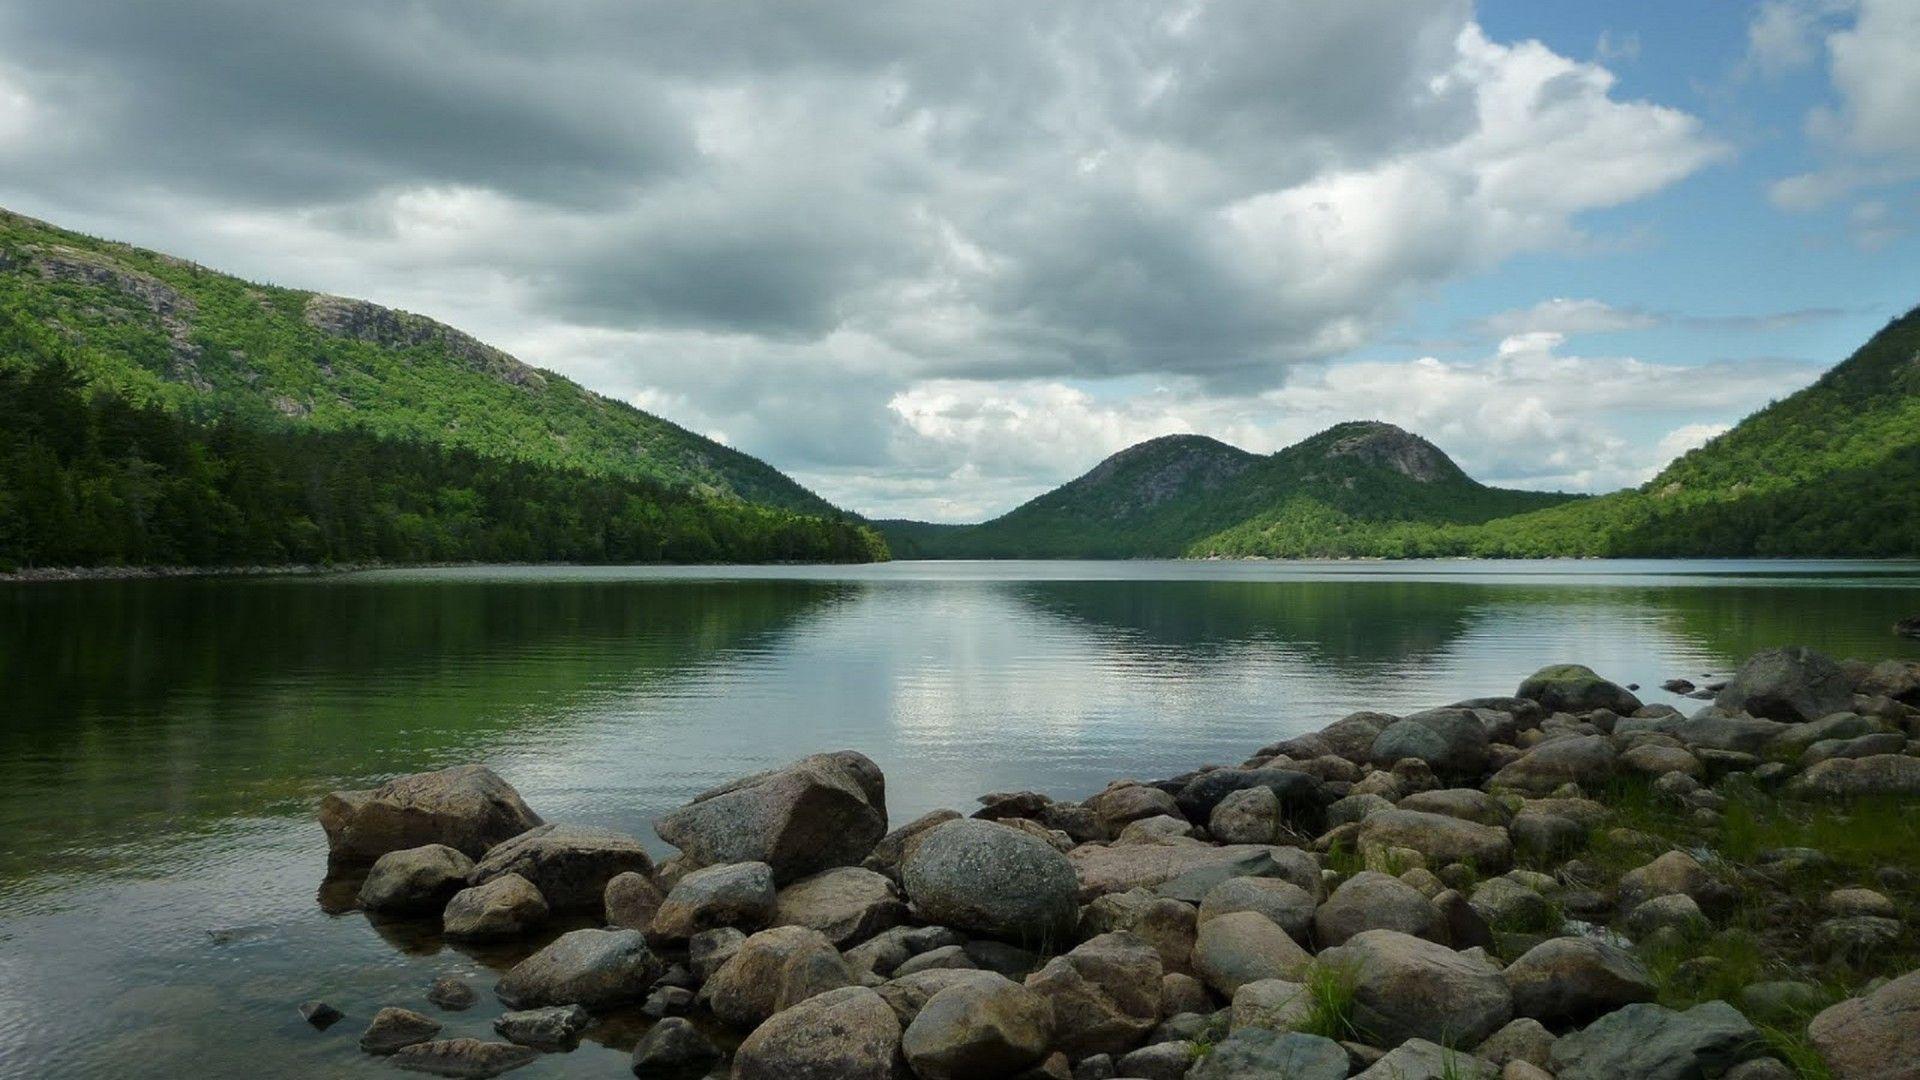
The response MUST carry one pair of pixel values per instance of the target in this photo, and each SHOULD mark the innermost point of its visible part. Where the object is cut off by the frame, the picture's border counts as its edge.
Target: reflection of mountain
(1335, 622)
(138, 706)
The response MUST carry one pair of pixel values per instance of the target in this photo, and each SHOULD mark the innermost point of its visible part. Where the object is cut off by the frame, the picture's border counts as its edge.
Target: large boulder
(1245, 946)
(673, 1047)
(569, 864)
(414, 881)
(733, 894)
(1440, 838)
(1709, 729)
(1105, 994)
(631, 900)
(1288, 905)
(1452, 741)
(990, 879)
(1127, 801)
(1586, 760)
(849, 904)
(1371, 900)
(1652, 1042)
(467, 808)
(1184, 871)
(1851, 778)
(1168, 925)
(506, 906)
(844, 1034)
(1575, 688)
(1303, 799)
(986, 1026)
(819, 812)
(1257, 1053)
(1792, 683)
(1248, 816)
(593, 968)
(1874, 1037)
(1405, 987)
(1574, 979)
(1467, 804)
(893, 848)
(772, 971)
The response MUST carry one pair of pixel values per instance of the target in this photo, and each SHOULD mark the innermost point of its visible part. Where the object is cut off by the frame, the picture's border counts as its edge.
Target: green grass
(1330, 1012)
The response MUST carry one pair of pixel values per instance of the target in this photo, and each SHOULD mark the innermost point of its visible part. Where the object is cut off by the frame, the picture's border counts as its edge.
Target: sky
(932, 259)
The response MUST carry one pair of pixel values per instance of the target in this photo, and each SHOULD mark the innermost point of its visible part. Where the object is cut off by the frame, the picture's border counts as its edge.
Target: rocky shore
(1562, 882)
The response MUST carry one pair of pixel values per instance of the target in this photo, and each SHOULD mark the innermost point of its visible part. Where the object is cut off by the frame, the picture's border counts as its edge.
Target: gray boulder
(772, 971)
(894, 847)
(1242, 947)
(555, 1029)
(1573, 979)
(1440, 838)
(733, 894)
(471, 1058)
(1288, 905)
(593, 968)
(1370, 900)
(1792, 683)
(1409, 988)
(847, 903)
(1159, 1061)
(1850, 778)
(1452, 741)
(1105, 994)
(1575, 688)
(989, 879)
(507, 906)
(817, 813)
(1872, 1037)
(1418, 1059)
(1652, 1042)
(1183, 871)
(631, 900)
(986, 1026)
(1524, 1039)
(1256, 1053)
(1586, 760)
(414, 881)
(1303, 798)
(673, 1047)
(467, 808)
(393, 1028)
(569, 864)
(1467, 804)
(844, 1034)
(1248, 816)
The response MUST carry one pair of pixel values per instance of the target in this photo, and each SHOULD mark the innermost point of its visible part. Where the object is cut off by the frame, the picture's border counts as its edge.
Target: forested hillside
(89, 478)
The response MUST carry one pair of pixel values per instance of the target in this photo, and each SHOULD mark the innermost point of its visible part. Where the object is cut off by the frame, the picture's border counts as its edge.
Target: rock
(1105, 994)
(894, 847)
(414, 881)
(1524, 1039)
(1418, 1059)
(452, 994)
(1451, 741)
(907, 994)
(1574, 979)
(845, 1034)
(1886, 742)
(1370, 900)
(555, 1029)
(1002, 958)
(1846, 778)
(979, 876)
(1856, 937)
(1409, 988)
(1709, 729)
(1587, 760)
(1248, 816)
(1440, 838)
(1872, 1037)
(320, 1014)
(1575, 688)
(1126, 801)
(1676, 911)
(1164, 829)
(1546, 836)
(1796, 738)
(506, 906)
(1760, 1069)
(708, 951)
(1160, 1061)
(666, 1001)
(463, 1058)
(1845, 902)
(1183, 994)
(1673, 872)
(1275, 1004)
(773, 970)
(584, 967)
(1648, 759)
(999, 805)
(1283, 863)
(467, 808)
(1096, 1067)
(1461, 927)
(1303, 798)
(1782, 1000)
(1467, 804)
(817, 813)
(1168, 925)
(733, 894)
(393, 1028)
(989, 1026)
(1651, 1042)
(1357, 807)
(1511, 906)
(936, 959)
(569, 864)
(848, 904)
(1242, 947)
(1256, 1053)
(886, 951)
(631, 900)
(673, 1047)
(1288, 905)
(1792, 684)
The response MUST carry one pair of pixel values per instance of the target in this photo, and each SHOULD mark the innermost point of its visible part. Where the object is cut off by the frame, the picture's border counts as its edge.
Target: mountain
(153, 412)
(162, 331)
(1166, 496)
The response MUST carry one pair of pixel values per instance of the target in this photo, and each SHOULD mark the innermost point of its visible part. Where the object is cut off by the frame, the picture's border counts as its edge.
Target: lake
(163, 743)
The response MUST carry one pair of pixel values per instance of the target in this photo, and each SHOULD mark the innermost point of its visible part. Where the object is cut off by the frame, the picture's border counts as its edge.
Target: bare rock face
(467, 808)
(338, 316)
(569, 864)
(1409, 988)
(1875, 1037)
(585, 967)
(1105, 994)
(817, 813)
(844, 1034)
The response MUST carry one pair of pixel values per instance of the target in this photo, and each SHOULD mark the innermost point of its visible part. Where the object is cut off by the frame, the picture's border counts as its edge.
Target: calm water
(162, 744)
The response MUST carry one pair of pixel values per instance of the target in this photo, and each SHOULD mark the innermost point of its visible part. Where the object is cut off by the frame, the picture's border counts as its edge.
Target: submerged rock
(470, 1058)
(554, 1029)
(467, 808)
(585, 967)
(393, 1028)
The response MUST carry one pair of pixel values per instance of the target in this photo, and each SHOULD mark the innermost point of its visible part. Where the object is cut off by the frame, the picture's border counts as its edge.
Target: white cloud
(1568, 316)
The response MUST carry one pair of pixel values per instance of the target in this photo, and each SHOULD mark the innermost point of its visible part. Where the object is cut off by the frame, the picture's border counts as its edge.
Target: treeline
(90, 479)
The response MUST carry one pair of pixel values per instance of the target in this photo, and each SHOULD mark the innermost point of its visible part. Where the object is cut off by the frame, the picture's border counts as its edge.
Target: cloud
(1565, 316)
